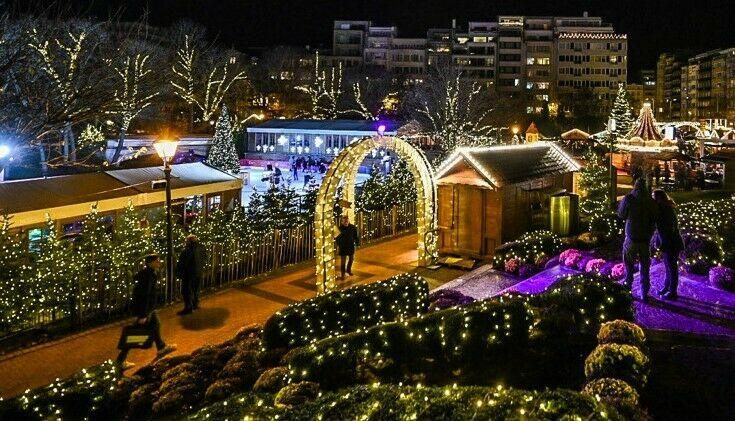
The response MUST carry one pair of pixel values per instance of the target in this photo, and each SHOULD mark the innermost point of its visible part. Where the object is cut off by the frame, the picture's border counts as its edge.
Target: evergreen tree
(401, 185)
(53, 272)
(254, 210)
(13, 289)
(622, 113)
(131, 244)
(308, 201)
(91, 262)
(373, 194)
(594, 183)
(223, 154)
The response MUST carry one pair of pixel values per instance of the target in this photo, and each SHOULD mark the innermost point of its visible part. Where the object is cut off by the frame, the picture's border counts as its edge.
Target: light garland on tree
(223, 154)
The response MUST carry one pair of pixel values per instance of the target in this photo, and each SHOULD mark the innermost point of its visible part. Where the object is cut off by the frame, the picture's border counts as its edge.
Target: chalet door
(469, 211)
(445, 218)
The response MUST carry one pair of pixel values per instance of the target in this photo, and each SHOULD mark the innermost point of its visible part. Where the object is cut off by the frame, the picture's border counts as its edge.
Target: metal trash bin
(564, 214)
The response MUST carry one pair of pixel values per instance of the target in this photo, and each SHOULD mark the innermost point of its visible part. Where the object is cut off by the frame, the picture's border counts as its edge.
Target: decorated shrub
(296, 394)
(625, 362)
(622, 332)
(391, 402)
(529, 248)
(445, 298)
(614, 392)
(722, 277)
(455, 342)
(339, 312)
(701, 252)
(587, 300)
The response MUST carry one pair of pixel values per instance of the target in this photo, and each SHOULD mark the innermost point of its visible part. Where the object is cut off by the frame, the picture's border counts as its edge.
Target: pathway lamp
(166, 149)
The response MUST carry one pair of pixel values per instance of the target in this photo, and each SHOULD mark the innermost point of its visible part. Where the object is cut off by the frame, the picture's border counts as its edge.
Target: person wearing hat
(190, 269)
(144, 309)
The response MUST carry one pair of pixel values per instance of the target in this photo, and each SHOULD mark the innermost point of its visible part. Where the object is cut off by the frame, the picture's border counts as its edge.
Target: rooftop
(511, 164)
(365, 126)
(46, 193)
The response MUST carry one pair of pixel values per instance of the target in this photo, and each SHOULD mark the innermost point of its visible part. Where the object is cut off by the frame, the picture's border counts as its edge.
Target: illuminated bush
(624, 362)
(622, 332)
(339, 312)
(391, 402)
(722, 277)
(432, 345)
(614, 392)
(445, 298)
(531, 247)
(589, 299)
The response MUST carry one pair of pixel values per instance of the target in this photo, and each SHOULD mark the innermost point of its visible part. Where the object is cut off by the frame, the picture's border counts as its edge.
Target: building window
(213, 202)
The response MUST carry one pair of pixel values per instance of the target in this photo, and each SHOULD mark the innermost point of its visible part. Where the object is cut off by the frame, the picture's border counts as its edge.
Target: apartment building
(547, 59)
(708, 86)
(644, 90)
(669, 68)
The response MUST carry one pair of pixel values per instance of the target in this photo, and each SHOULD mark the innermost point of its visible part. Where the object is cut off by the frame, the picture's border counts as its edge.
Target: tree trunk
(119, 147)
(72, 144)
(44, 160)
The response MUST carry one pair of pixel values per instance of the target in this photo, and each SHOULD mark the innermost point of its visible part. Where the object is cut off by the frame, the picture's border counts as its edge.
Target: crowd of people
(680, 176)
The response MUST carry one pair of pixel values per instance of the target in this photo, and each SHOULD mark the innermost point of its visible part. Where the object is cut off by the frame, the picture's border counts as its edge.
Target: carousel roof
(645, 127)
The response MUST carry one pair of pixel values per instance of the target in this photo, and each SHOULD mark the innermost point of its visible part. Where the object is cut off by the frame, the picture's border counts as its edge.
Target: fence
(104, 298)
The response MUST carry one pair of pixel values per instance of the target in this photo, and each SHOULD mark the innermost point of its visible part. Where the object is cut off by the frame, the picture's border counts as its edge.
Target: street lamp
(166, 149)
(515, 130)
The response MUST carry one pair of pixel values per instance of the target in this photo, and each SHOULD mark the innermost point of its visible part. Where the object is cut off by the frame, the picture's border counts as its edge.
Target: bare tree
(202, 76)
(455, 111)
(74, 75)
(324, 91)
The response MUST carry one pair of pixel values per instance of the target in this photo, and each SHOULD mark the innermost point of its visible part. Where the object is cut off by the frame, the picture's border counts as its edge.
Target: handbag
(135, 336)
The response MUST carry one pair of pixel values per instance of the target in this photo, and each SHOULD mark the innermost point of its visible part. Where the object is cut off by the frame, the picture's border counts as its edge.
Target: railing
(108, 297)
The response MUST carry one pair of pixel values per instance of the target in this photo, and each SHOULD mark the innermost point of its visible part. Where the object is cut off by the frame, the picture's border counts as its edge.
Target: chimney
(585, 14)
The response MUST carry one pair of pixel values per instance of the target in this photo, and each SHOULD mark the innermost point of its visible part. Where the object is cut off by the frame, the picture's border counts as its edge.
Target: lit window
(479, 39)
(530, 61)
(213, 202)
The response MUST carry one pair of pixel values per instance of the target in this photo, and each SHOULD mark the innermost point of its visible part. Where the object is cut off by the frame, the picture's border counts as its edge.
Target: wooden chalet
(491, 195)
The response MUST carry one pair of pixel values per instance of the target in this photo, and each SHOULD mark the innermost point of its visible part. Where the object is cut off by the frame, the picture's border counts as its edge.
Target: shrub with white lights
(401, 297)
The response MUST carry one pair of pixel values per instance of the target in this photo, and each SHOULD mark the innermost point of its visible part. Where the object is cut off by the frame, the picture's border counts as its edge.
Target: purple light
(381, 129)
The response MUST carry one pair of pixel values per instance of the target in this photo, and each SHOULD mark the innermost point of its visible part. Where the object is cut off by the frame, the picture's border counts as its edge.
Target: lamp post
(611, 189)
(166, 149)
(515, 140)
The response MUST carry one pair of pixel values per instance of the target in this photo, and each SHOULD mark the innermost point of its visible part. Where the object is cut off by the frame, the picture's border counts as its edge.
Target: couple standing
(645, 215)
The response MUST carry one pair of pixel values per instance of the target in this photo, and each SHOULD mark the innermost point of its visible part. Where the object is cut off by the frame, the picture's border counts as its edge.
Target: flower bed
(390, 402)
(528, 254)
(339, 312)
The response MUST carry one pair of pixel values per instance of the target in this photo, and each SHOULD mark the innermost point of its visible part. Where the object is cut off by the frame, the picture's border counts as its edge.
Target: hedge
(473, 344)
(530, 248)
(579, 304)
(390, 402)
(400, 297)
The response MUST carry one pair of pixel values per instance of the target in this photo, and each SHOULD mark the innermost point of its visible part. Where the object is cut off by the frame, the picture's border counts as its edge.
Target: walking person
(144, 304)
(347, 240)
(669, 241)
(190, 269)
(639, 212)
(657, 173)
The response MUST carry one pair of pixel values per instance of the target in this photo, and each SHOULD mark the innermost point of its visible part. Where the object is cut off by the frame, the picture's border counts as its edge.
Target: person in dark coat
(669, 241)
(347, 240)
(144, 309)
(640, 213)
(190, 269)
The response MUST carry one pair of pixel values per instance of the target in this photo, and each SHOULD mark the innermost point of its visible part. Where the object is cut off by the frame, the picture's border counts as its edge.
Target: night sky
(653, 26)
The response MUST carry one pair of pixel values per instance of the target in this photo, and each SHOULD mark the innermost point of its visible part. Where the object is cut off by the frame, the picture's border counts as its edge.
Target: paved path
(219, 318)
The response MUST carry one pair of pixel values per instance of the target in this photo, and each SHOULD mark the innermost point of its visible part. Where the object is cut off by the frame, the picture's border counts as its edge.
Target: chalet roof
(510, 164)
(532, 128)
(575, 134)
(53, 192)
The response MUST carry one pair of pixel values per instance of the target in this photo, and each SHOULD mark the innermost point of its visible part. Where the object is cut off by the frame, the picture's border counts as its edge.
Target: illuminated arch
(345, 167)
